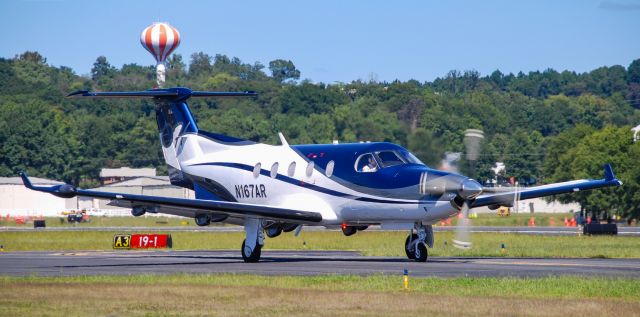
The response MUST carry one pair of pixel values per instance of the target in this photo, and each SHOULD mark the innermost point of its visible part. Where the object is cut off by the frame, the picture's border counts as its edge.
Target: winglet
(63, 191)
(608, 173)
(25, 180)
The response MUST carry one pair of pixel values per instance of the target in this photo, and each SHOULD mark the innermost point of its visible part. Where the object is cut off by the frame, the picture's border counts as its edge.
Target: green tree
(586, 160)
(426, 147)
(633, 72)
(101, 69)
(200, 65)
(282, 70)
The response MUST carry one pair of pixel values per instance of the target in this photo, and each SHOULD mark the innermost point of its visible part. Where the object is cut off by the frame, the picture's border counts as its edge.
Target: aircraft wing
(180, 206)
(507, 198)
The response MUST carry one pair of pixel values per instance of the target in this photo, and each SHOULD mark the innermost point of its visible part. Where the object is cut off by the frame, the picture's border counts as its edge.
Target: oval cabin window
(329, 170)
(310, 168)
(292, 169)
(256, 170)
(274, 170)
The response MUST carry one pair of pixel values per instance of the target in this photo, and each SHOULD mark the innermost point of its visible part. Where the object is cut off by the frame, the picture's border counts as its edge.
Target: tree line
(546, 126)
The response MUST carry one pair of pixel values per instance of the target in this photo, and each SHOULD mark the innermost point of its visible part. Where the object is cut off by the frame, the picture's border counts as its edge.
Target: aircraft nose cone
(470, 189)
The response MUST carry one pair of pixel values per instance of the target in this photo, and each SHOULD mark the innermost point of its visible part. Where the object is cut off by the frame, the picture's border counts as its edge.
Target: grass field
(377, 243)
(522, 219)
(378, 295)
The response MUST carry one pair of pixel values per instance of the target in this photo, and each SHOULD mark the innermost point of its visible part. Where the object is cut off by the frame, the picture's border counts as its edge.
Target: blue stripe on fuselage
(345, 155)
(320, 189)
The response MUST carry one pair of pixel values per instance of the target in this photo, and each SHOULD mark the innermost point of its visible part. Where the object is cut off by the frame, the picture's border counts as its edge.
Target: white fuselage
(258, 183)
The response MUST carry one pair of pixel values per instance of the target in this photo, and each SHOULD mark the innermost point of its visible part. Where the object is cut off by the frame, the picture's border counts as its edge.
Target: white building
(147, 185)
(537, 205)
(17, 200)
(113, 175)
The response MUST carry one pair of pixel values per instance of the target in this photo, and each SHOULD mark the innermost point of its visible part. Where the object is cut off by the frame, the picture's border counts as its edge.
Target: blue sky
(337, 40)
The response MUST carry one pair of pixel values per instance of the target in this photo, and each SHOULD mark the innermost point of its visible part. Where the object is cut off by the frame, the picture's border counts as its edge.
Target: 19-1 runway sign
(142, 241)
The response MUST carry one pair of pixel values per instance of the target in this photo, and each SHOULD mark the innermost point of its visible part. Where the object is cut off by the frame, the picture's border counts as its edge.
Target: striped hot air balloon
(160, 39)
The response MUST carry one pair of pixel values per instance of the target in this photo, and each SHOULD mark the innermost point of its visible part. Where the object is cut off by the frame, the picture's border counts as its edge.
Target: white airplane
(269, 189)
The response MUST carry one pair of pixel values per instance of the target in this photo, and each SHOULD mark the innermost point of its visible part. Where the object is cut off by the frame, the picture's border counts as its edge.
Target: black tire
(410, 253)
(421, 252)
(349, 230)
(254, 256)
(289, 227)
(202, 220)
(273, 232)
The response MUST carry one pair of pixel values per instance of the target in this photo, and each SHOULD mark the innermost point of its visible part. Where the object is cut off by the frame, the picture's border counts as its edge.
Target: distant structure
(160, 39)
(499, 170)
(17, 200)
(139, 185)
(113, 175)
(636, 133)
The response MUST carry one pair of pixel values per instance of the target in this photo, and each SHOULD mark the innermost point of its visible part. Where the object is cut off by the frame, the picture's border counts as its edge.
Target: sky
(337, 41)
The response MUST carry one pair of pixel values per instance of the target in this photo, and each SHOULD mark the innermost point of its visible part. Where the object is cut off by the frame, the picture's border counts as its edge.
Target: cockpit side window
(390, 158)
(366, 163)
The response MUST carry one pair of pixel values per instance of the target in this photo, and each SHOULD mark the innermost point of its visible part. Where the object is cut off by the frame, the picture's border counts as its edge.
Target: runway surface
(622, 230)
(298, 263)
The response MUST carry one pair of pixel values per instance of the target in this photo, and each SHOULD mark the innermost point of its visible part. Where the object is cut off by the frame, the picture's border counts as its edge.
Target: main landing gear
(416, 243)
(252, 244)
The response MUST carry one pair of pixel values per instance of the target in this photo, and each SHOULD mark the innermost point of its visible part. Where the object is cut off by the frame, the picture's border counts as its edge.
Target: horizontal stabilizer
(171, 93)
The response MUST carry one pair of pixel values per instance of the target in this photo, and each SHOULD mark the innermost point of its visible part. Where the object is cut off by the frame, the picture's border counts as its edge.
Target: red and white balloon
(160, 39)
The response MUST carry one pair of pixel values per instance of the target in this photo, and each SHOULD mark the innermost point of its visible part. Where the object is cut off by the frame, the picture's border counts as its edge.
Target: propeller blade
(462, 240)
(470, 189)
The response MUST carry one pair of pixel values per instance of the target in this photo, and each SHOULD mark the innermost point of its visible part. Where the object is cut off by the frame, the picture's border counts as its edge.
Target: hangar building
(17, 200)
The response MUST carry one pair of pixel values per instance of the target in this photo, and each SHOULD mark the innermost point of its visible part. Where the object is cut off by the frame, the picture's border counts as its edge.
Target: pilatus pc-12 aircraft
(270, 189)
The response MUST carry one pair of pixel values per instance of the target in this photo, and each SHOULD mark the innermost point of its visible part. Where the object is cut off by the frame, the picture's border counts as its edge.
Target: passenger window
(256, 170)
(366, 163)
(274, 170)
(292, 169)
(310, 168)
(329, 170)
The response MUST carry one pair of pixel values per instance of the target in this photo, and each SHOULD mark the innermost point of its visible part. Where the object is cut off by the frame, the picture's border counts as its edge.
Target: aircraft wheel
(273, 231)
(411, 254)
(289, 227)
(251, 256)
(421, 252)
(203, 220)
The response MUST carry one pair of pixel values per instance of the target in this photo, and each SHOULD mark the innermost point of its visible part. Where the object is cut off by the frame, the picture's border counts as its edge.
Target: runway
(299, 263)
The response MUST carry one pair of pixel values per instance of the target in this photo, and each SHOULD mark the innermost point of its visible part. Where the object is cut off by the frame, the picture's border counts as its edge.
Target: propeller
(467, 189)
(470, 188)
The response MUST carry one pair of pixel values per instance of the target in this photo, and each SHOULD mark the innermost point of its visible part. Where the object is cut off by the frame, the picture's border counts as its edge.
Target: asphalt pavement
(299, 263)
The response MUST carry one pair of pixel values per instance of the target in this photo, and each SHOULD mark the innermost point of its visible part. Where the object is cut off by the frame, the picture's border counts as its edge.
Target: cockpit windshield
(371, 162)
(389, 158)
(392, 158)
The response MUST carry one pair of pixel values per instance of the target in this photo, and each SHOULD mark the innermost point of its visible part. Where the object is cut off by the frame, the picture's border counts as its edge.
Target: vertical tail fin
(173, 117)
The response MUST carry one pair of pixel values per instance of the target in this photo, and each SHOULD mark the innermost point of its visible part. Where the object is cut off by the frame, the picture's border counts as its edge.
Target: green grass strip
(546, 287)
